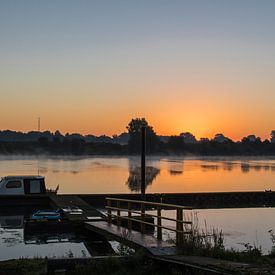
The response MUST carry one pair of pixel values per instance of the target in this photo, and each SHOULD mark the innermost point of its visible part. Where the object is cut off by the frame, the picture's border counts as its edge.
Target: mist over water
(170, 174)
(167, 175)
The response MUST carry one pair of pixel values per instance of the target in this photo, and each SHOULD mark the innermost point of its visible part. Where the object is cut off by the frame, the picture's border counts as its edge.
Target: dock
(126, 220)
(87, 213)
(133, 239)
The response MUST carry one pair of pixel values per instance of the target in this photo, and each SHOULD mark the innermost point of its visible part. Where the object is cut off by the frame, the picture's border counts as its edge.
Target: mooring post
(118, 213)
(143, 164)
(129, 216)
(109, 211)
(142, 224)
(179, 233)
(159, 229)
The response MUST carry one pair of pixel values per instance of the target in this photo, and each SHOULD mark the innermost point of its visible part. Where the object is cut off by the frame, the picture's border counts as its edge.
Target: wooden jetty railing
(128, 208)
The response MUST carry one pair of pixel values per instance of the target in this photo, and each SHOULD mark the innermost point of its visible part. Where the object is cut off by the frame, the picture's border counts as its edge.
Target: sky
(203, 66)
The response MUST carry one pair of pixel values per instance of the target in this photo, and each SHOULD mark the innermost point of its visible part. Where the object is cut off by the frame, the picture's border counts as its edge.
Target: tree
(220, 138)
(251, 139)
(188, 137)
(134, 130)
(176, 144)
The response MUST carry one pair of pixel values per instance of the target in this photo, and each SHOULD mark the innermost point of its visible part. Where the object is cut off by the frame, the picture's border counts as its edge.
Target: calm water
(17, 241)
(239, 225)
(121, 175)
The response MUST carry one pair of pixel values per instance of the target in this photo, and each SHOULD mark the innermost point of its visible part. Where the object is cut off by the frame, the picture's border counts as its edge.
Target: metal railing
(140, 208)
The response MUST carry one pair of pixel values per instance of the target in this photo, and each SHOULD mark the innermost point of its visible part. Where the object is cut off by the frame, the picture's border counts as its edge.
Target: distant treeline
(80, 147)
(12, 142)
(14, 136)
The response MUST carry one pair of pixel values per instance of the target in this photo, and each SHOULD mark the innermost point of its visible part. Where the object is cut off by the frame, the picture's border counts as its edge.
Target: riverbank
(79, 147)
(139, 264)
(136, 265)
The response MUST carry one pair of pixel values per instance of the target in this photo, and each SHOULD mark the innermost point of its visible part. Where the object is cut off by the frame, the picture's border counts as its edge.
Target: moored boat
(24, 185)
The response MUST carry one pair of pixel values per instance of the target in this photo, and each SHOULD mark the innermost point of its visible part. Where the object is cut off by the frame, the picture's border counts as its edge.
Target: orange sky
(90, 67)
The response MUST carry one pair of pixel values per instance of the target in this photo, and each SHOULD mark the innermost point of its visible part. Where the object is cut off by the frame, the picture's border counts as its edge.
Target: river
(167, 174)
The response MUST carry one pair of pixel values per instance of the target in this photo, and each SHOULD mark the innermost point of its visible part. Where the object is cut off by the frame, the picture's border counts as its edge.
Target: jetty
(117, 224)
(110, 225)
(75, 209)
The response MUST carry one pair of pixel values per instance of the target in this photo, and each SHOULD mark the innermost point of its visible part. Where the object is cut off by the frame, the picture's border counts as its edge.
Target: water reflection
(134, 178)
(20, 237)
(230, 166)
(175, 168)
(9, 230)
(206, 167)
(52, 232)
(8, 222)
(245, 167)
(239, 225)
(170, 174)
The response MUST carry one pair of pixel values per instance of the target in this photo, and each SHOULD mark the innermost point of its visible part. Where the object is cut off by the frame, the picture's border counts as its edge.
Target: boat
(49, 215)
(24, 185)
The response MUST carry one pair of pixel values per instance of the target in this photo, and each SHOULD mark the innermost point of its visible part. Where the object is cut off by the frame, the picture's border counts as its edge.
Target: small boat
(72, 210)
(49, 215)
(24, 185)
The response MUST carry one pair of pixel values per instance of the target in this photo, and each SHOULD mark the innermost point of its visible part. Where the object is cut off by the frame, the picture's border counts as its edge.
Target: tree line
(130, 143)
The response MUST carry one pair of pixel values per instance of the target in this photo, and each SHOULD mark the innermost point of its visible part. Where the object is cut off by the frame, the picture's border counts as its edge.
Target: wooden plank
(212, 265)
(133, 238)
(89, 213)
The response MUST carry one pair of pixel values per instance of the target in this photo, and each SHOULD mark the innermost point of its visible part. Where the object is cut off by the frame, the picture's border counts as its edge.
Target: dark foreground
(195, 259)
(139, 264)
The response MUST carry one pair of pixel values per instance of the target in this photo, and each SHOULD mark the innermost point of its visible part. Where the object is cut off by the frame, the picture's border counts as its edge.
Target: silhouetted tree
(220, 138)
(188, 137)
(251, 138)
(134, 130)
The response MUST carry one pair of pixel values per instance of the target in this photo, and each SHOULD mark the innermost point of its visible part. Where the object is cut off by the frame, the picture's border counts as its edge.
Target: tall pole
(39, 124)
(143, 165)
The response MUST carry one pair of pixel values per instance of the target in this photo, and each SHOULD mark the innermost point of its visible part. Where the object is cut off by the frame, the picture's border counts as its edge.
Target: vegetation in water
(210, 243)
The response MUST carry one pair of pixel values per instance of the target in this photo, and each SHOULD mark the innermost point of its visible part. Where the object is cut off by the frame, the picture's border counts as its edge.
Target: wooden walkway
(133, 238)
(215, 266)
(88, 212)
(158, 249)
(168, 253)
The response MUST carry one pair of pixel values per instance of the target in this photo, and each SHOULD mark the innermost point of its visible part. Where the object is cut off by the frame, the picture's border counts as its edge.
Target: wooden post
(142, 225)
(118, 214)
(143, 164)
(159, 229)
(109, 211)
(179, 233)
(129, 216)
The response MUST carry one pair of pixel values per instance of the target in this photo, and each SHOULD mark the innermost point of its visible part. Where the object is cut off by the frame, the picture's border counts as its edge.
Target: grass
(206, 242)
(23, 267)
(210, 243)
(137, 264)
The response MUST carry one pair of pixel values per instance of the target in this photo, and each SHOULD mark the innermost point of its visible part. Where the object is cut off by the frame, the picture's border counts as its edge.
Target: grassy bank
(139, 264)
